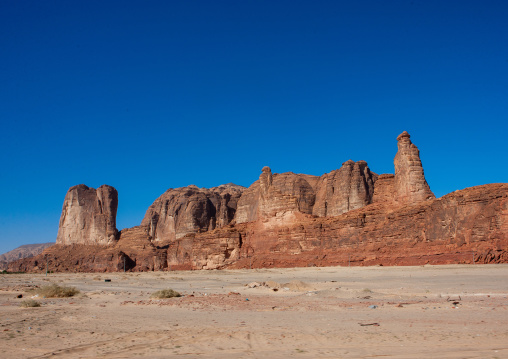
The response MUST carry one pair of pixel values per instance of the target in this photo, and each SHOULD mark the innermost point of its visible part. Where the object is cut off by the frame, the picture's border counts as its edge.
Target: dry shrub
(29, 303)
(56, 291)
(165, 293)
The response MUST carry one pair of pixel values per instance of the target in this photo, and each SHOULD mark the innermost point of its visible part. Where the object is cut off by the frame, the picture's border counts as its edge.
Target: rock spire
(410, 184)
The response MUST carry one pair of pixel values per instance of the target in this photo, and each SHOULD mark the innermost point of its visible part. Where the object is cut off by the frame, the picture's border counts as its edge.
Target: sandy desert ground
(455, 311)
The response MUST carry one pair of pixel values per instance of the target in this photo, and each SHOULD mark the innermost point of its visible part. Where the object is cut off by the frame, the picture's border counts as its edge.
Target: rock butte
(350, 216)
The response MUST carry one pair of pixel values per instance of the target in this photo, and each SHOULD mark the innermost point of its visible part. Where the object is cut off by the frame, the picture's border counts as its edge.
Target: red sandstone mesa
(348, 216)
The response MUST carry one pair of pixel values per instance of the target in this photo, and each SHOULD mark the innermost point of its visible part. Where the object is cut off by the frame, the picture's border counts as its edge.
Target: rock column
(88, 216)
(410, 184)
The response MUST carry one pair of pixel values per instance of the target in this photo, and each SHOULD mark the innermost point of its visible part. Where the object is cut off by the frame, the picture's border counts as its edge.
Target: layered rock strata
(88, 216)
(465, 226)
(350, 216)
(334, 193)
(276, 195)
(345, 189)
(190, 209)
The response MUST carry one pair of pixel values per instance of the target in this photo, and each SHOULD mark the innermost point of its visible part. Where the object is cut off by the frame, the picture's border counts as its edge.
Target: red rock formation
(134, 251)
(340, 191)
(467, 224)
(88, 216)
(410, 183)
(348, 216)
(384, 190)
(24, 251)
(191, 209)
(276, 195)
(350, 187)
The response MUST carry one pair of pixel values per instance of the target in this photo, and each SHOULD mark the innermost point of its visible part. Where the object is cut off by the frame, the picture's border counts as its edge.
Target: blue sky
(149, 95)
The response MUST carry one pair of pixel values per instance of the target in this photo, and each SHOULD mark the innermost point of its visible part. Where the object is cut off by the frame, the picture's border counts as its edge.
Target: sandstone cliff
(465, 226)
(462, 227)
(345, 189)
(88, 216)
(350, 216)
(334, 193)
(275, 195)
(191, 209)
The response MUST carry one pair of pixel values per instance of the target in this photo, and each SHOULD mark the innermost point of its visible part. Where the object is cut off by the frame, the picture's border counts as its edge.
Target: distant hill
(25, 251)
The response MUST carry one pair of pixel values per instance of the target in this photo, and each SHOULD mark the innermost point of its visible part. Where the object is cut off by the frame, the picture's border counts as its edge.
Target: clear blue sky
(148, 95)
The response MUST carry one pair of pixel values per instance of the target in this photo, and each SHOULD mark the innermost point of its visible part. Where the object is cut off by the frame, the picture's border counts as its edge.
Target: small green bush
(29, 303)
(56, 291)
(165, 293)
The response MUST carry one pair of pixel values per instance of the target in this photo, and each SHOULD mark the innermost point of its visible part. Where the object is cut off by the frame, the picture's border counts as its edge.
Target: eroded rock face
(410, 184)
(350, 215)
(185, 210)
(334, 193)
(88, 216)
(345, 189)
(437, 231)
(275, 194)
(384, 190)
(285, 192)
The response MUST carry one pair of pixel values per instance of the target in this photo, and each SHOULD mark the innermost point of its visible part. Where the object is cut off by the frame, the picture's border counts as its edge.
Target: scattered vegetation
(7, 272)
(56, 291)
(165, 293)
(29, 303)
(366, 290)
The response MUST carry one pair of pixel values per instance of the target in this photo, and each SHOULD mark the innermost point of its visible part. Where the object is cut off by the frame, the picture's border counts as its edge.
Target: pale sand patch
(394, 312)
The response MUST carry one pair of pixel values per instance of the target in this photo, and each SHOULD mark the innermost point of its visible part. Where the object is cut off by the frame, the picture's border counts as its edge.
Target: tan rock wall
(340, 191)
(88, 216)
(186, 210)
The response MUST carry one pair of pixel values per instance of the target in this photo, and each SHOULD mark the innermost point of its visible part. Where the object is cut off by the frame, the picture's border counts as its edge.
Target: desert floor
(458, 311)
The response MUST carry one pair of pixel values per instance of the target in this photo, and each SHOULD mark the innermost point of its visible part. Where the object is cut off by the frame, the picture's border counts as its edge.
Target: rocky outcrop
(285, 192)
(186, 210)
(384, 190)
(462, 227)
(277, 194)
(410, 184)
(466, 225)
(334, 193)
(349, 216)
(24, 251)
(88, 216)
(345, 189)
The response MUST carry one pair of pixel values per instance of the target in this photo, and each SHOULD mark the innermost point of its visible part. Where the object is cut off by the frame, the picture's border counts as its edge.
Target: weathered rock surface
(349, 216)
(24, 251)
(277, 194)
(466, 225)
(88, 216)
(334, 193)
(134, 251)
(191, 209)
(345, 189)
(438, 231)
(384, 190)
(410, 183)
